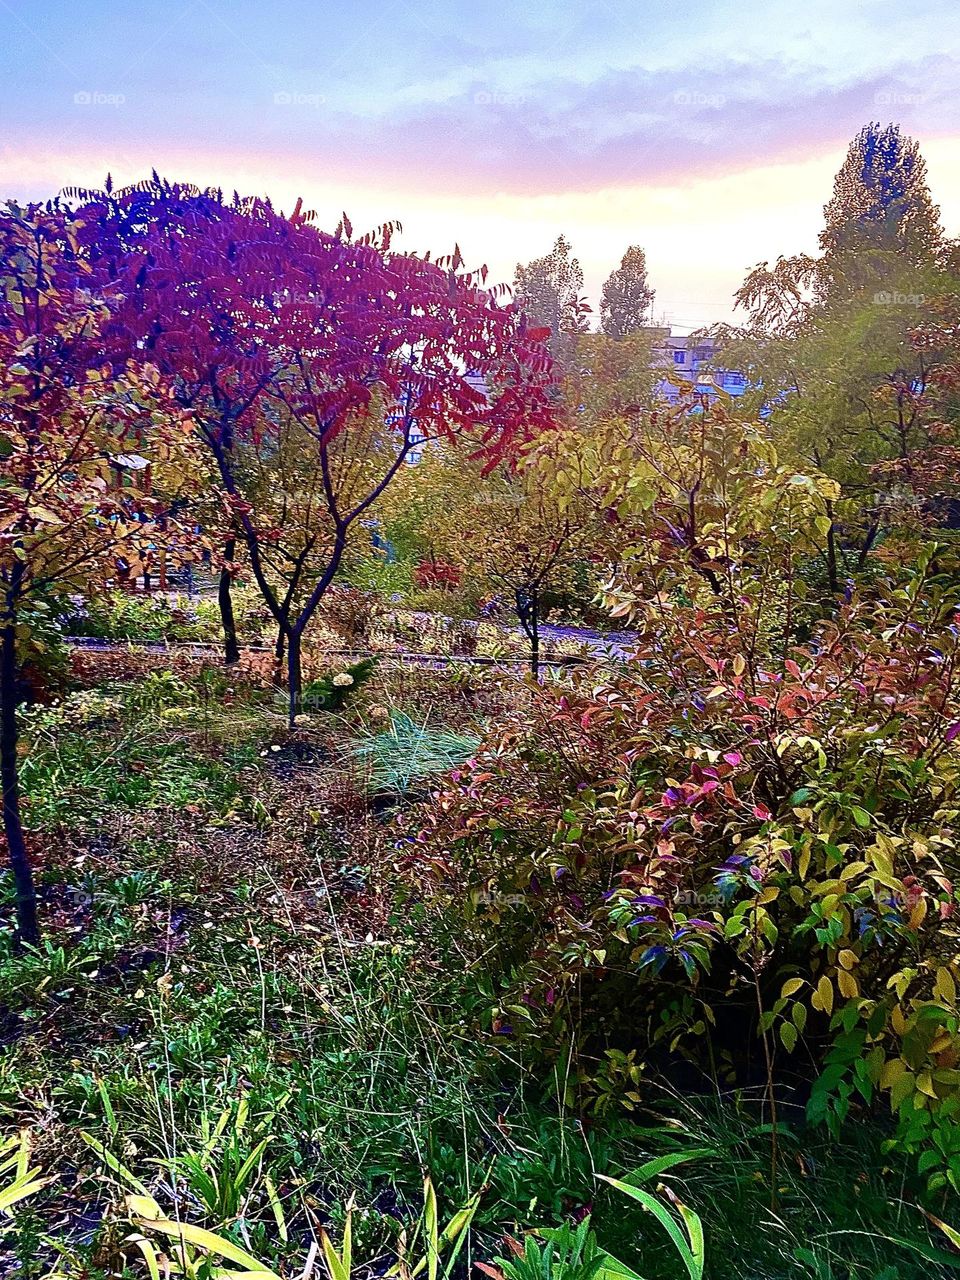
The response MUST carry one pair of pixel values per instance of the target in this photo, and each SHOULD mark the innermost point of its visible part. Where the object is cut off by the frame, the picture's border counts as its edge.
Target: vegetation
(370, 914)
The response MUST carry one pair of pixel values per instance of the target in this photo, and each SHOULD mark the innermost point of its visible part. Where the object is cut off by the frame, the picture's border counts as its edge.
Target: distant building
(417, 439)
(687, 359)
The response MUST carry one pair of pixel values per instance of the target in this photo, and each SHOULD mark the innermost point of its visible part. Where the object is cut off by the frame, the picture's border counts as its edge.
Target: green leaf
(653, 1168)
(691, 1260)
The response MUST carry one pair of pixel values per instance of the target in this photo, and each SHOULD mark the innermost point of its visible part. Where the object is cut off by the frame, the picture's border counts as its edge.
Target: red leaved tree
(68, 427)
(270, 326)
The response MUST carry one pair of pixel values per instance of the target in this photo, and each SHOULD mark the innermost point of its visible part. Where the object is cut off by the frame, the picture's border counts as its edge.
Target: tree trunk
(294, 676)
(528, 611)
(535, 636)
(280, 646)
(27, 922)
(868, 542)
(832, 577)
(231, 648)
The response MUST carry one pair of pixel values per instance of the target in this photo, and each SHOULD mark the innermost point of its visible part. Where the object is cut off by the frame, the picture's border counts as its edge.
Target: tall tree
(68, 427)
(549, 290)
(627, 296)
(830, 353)
(881, 205)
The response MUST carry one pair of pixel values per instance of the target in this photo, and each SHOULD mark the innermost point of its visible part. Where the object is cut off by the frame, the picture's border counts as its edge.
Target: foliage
(567, 1253)
(198, 958)
(350, 612)
(851, 355)
(550, 291)
(719, 839)
(436, 573)
(627, 296)
(330, 692)
(17, 1180)
(310, 401)
(516, 533)
(121, 615)
(95, 461)
(880, 204)
(574, 1254)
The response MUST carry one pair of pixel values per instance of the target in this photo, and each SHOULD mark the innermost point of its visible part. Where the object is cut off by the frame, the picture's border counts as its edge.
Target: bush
(442, 601)
(437, 573)
(331, 691)
(717, 843)
(350, 612)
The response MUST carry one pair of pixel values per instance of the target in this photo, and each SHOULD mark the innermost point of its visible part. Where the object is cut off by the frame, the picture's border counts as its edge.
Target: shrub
(442, 601)
(350, 612)
(331, 691)
(437, 573)
(718, 841)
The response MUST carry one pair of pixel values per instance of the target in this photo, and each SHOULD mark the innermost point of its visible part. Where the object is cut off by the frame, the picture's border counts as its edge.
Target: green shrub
(332, 691)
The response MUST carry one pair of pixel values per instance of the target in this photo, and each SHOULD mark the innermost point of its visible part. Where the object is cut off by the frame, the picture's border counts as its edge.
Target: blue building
(689, 360)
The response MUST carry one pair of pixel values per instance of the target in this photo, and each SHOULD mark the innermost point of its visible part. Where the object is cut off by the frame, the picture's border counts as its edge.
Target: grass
(235, 1004)
(409, 752)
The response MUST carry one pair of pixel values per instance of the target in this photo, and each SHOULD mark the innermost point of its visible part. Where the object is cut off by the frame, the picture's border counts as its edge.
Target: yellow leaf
(823, 996)
(853, 869)
(790, 987)
(848, 958)
(925, 1084)
(898, 1021)
(847, 984)
(207, 1240)
(945, 987)
(891, 1072)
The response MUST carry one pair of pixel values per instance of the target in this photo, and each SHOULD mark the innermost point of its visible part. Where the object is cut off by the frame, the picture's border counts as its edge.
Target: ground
(230, 932)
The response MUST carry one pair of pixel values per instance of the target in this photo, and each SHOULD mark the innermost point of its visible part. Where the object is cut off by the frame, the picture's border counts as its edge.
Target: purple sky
(706, 132)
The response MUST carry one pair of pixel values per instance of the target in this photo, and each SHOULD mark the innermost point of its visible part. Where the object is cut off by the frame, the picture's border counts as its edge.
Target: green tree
(832, 352)
(627, 296)
(881, 205)
(550, 291)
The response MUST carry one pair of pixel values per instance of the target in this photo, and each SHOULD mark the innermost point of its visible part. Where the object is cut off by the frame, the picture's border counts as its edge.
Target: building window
(678, 357)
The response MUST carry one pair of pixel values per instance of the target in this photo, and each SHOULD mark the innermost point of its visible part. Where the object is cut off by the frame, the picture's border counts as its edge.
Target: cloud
(472, 133)
(635, 125)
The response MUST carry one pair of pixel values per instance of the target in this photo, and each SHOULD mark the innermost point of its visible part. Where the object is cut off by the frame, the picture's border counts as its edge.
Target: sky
(707, 132)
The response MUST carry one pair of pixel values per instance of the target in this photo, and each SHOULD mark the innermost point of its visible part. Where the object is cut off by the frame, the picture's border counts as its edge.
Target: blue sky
(707, 132)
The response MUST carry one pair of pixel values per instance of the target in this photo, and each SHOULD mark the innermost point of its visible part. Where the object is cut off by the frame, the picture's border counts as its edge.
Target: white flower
(343, 680)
